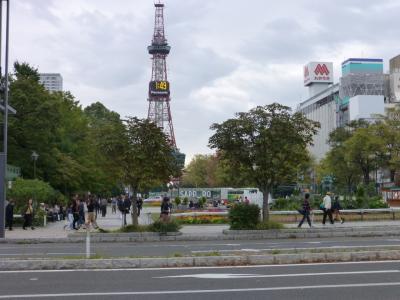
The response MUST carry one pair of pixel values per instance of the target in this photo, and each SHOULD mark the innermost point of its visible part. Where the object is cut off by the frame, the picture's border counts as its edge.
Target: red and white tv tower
(159, 94)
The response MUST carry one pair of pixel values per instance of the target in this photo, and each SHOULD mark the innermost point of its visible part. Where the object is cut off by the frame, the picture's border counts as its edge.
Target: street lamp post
(34, 156)
(4, 91)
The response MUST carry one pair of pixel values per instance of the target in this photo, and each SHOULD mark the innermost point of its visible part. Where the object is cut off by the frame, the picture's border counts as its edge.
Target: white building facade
(53, 82)
(321, 106)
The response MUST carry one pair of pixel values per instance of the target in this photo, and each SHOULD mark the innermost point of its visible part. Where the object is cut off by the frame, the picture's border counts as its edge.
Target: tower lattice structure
(159, 92)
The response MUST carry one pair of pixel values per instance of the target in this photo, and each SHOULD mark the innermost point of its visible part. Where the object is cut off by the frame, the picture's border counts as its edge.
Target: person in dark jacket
(336, 207)
(91, 215)
(139, 204)
(75, 212)
(306, 210)
(126, 207)
(10, 214)
(28, 215)
(165, 209)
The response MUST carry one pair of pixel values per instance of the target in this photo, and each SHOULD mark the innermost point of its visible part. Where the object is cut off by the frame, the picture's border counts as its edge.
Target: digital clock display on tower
(159, 88)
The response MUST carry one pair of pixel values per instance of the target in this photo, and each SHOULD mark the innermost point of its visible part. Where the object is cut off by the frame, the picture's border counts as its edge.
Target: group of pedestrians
(27, 213)
(82, 213)
(326, 206)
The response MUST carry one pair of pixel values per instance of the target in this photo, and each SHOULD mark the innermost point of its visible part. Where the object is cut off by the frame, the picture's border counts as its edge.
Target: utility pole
(4, 98)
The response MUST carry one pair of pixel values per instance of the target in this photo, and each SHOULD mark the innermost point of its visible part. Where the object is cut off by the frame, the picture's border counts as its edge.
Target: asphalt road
(373, 280)
(182, 248)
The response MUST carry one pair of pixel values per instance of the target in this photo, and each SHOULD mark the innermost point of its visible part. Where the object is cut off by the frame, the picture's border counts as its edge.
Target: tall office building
(53, 82)
(321, 104)
(395, 79)
(362, 89)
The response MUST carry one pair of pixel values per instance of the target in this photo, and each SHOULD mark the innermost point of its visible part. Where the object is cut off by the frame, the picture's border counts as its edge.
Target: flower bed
(202, 219)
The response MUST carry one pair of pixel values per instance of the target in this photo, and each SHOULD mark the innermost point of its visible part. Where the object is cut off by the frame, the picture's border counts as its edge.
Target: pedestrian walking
(62, 212)
(82, 211)
(306, 210)
(103, 207)
(139, 204)
(98, 206)
(120, 205)
(336, 207)
(75, 212)
(91, 215)
(28, 215)
(165, 209)
(10, 214)
(327, 208)
(127, 207)
(113, 205)
(70, 217)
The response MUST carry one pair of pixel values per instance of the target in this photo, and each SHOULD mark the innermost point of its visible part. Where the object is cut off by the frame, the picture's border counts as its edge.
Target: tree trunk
(392, 175)
(366, 176)
(265, 208)
(134, 213)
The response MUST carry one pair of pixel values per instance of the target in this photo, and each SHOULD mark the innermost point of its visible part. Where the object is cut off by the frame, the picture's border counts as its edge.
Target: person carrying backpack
(305, 211)
(336, 207)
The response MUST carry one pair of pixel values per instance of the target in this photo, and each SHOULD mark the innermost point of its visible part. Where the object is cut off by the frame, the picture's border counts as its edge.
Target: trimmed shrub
(133, 228)
(38, 190)
(269, 225)
(202, 201)
(244, 216)
(377, 202)
(164, 227)
(185, 201)
(177, 201)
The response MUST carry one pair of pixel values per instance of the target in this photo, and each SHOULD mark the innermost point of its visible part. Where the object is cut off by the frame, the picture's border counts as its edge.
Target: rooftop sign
(318, 72)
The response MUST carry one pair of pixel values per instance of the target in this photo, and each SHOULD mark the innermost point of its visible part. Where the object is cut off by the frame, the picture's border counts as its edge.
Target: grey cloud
(100, 49)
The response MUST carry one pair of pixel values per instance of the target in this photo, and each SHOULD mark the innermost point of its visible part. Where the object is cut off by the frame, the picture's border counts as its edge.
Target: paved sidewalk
(113, 221)
(346, 224)
(56, 229)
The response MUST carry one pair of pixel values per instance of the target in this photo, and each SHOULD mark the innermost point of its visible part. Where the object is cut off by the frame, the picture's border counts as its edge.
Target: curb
(203, 261)
(379, 231)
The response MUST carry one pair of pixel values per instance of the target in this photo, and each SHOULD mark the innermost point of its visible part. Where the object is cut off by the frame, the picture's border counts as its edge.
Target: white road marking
(19, 254)
(33, 279)
(313, 242)
(69, 253)
(206, 268)
(248, 290)
(236, 276)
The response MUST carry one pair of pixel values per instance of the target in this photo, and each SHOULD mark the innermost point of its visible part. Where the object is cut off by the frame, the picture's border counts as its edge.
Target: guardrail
(360, 212)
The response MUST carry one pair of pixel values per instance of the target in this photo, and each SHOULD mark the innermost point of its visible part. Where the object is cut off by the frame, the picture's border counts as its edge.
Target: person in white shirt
(327, 208)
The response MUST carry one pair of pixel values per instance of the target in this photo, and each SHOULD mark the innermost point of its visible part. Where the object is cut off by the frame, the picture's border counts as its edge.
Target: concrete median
(199, 261)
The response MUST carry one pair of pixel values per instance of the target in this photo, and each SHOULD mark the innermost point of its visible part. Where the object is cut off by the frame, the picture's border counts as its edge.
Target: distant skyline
(226, 56)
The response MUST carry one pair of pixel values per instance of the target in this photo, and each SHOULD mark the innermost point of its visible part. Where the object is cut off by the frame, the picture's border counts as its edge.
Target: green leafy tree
(147, 157)
(362, 150)
(268, 142)
(213, 171)
(388, 130)
(24, 189)
(199, 172)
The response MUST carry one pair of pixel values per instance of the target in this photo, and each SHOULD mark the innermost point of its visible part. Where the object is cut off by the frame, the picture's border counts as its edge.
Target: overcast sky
(227, 55)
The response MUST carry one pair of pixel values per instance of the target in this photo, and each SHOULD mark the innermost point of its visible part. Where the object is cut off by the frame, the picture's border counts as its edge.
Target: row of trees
(81, 150)
(360, 149)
